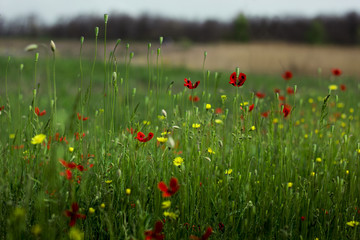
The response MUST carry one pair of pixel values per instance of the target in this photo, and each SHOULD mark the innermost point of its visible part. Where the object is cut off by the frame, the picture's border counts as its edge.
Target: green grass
(276, 190)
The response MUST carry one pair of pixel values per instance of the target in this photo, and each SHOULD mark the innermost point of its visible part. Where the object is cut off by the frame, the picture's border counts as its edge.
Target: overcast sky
(224, 10)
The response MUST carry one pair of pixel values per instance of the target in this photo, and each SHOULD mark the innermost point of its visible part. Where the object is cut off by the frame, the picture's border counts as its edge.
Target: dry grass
(264, 58)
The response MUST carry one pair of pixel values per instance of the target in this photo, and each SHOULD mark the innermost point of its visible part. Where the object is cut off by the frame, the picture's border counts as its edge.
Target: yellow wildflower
(275, 120)
(208, 106)
(333, 87)
(228, 171)
(223, 98)
(352, 223)
(165, 133)
(76, 234)
(311, 100)
(312, 174)
(91, 210)
(71, 149)
(178, 161)
(161, 117)
(351, 110)
(347, 172)
(211, 151)
(146, 122)
(162, 139)
(19, 212)
(38, 139)
(306, 136)
(102, 205)
(196, 125)
(318, 160)
(252, 128)
(12, 136)
(166, 204)
(128, 191)
(340, 105)
(36, 229)
(244, 103)
(290, 184)
(170, 215)
(108, 181)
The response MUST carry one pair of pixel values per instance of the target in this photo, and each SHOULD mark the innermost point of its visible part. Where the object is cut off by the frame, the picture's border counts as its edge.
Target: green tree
(241, 29)
(316, 33)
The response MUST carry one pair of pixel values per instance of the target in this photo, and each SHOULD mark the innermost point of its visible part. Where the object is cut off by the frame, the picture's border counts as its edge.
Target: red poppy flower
(73, 214)
(205, 236)
(286, 110)
(260, 95)
(251, 107)
(2, 108)
(70, 165)
(141, 137)
(336, 72)
(173, 187)
(221, 227)
(82, 118)
(282, 98)
(156, 233)
(303, 218)
(241, 78)
(342, 87)
(194, 99)
(189, 84)
(265, 114)
(37, 111)
(131, 130)
(287, 75)
(218, 111)
(290, 90)
(276, 90)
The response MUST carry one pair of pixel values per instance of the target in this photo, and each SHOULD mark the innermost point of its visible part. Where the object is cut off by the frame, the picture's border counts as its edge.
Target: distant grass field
(240, 162)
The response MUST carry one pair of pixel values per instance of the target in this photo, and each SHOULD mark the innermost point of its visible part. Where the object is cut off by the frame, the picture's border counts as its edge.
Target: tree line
(342, 30)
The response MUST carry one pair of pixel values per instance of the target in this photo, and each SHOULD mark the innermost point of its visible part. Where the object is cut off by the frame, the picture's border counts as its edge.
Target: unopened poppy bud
(205, 53)
(295, 88)
(164, 113)
(134, 92)
(207, 158)
(30, 47)
(52, 46)
(36, 57)
(208, 74)
(158, 51)
(21, 67)
(149, 45)
(161, 40)
(106, 18)
(114, 76)
(176, 127)
(96, 31)
(171, 142)
(127, 46)
(82, 40)
(131, 55)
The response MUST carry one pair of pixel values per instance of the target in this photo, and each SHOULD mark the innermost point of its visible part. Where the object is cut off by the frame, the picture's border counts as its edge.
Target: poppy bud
(161, 39)
(96, 31)
(52, 46)
(164, 113)
(30, 47)
(106, 17)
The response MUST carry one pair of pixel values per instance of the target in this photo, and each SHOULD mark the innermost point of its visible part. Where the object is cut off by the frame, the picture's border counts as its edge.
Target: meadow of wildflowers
(102, 149)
